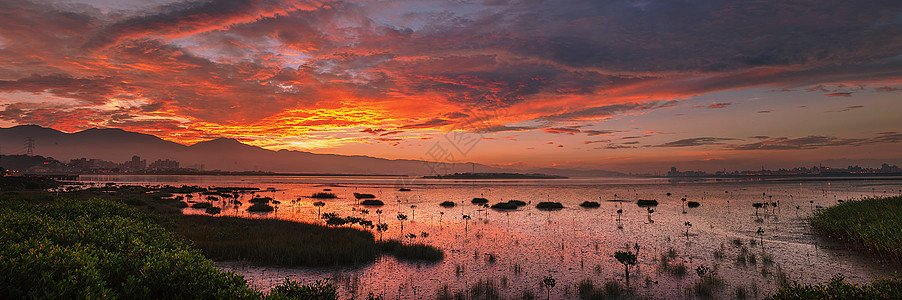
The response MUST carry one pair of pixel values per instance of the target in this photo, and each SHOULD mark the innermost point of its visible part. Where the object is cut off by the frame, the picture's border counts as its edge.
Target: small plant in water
(466, 219)
(628, 259)
(548, 282)
(688, 225)
(402, 218)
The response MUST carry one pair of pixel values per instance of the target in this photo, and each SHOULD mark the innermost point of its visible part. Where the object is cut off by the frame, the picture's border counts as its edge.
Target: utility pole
(29, 146)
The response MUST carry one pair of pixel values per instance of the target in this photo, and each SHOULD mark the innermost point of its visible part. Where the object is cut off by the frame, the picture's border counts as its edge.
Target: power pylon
(29, 146)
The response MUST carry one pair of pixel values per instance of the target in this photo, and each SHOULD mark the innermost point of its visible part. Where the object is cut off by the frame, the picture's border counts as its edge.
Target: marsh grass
(277, 242)
(610, 290)
(422, 252)
(872, 224)
(838, 288)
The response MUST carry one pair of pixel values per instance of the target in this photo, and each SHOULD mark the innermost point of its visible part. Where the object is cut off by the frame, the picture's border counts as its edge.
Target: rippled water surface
(515, 250)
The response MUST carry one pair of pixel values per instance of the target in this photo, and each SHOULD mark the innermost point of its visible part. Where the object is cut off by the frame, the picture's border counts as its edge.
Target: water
(516, 250)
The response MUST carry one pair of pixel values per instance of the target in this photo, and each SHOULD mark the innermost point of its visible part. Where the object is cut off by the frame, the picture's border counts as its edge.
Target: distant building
(162, 165)
(135, 164)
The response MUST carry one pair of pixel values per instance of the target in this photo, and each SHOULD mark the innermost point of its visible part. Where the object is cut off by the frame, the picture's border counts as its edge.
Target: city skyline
(630, 86)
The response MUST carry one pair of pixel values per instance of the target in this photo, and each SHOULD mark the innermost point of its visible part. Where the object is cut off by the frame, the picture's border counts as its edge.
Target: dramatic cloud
(700, 141)
(301, 74)
(814, 142)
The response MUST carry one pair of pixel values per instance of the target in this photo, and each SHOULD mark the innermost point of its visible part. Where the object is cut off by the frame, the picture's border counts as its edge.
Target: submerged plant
(548, 282)
(628, 259)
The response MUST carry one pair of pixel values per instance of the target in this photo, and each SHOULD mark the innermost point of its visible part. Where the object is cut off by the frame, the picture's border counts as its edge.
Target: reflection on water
(517, 249)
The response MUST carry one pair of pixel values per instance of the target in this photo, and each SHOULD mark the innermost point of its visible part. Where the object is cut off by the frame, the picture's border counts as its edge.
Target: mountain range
(227, 154)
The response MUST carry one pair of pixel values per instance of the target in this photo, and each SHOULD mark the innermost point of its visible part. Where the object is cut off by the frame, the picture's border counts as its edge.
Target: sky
(633, 86)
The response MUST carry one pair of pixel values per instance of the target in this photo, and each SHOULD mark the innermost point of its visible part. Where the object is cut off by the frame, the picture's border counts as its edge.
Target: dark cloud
(691, 142)
(839, 94)
(888, 89)
(716, 105)
(814, 142)
(428, 124)
(608, 110)
(848, 108)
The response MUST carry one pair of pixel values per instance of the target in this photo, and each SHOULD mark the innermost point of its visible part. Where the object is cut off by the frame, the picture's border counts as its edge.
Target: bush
(549, 205)
(372, 202)
(838, 288)
(590, 204)
(479, 200)
(324, 196)
(260, 207)
(319, 290)
(447, 204)
(101, 249)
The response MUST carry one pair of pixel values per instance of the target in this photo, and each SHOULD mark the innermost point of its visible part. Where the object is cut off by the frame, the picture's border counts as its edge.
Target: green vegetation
(319, 290)
(838, 288)
(277, 242)
(549, 205)
(871, 223)
(324, 196)
(101, 249)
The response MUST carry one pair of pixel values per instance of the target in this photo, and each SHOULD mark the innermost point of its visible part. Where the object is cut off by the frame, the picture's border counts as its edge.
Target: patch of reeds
(838, 288)
(872, 224)
(411, 251)
(447, 204)
(478, 200)
(277, 242)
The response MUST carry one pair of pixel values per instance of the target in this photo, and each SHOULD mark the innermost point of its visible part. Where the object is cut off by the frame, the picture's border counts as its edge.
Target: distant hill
(218, 154)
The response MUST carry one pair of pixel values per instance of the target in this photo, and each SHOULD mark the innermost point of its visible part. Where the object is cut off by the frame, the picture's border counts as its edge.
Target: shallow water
(517, 249)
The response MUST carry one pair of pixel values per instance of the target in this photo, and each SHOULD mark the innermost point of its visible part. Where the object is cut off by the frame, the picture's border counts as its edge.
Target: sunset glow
(618, 85)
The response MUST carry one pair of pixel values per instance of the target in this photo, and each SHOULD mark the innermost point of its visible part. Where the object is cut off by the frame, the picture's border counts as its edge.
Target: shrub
(324, 195)
(372, 202)
(549, 205)
(101, 249)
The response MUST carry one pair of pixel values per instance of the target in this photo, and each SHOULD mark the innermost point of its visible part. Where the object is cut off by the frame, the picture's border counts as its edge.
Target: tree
(688, 225)
(548, 282)
(382, 227)
(319, 205)
(402, 218)
(628, 259)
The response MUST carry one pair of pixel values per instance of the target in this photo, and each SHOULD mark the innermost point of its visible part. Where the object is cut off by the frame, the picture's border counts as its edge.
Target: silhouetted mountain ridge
(225, 154)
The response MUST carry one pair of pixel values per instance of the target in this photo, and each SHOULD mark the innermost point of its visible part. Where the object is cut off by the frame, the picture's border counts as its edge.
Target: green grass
(838, 288)
(873, 224)
(277, 242)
